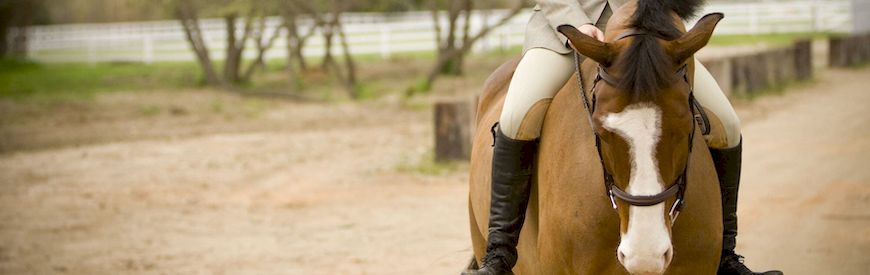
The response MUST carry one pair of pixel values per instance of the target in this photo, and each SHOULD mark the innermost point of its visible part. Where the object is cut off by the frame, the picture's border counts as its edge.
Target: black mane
(647, 66)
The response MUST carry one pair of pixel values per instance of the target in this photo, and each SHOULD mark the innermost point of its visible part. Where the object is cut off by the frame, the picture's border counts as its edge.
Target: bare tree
(187, 15)
(296, 38)
(236, 46)
(16, 16)
(253, 26)
(452, 49)
(330, 25)
(263, 45)
(350, 66)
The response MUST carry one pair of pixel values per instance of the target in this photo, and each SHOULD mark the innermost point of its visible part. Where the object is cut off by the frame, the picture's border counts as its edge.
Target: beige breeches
(541, 73)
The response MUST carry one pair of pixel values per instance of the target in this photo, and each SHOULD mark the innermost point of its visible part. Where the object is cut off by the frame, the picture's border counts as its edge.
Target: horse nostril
(621, 257)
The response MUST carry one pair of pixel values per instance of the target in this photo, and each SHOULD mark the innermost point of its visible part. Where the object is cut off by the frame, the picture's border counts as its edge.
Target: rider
(546, 65)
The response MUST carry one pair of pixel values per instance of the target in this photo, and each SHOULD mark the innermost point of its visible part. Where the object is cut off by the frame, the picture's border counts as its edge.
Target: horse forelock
(656, 16)
(647, 66)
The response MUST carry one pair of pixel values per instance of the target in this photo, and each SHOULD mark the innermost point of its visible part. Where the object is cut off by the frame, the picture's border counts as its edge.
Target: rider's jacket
(550, 14)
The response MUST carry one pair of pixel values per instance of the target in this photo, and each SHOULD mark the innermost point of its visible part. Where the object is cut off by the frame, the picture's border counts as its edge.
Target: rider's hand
(592, 31)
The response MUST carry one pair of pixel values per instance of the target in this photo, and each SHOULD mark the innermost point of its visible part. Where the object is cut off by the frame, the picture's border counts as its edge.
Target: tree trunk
(450, 56)
(455, 67)
(295, 39)
(350, 81)
(18, 15)
(294, 45)
(327, 30)
(330, 25)
(19, 42)
(6, 12)
(289, 17)
(4, 39)
(190, 23)
(231, 59)
(236, 47)
(262, 48)
(454, 10)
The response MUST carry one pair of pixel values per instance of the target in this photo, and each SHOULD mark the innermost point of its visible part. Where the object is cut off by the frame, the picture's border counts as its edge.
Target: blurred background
(299, 137)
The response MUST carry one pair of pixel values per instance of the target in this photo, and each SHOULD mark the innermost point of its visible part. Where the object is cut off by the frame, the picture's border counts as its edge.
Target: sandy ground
(339, 189)
(805, 200)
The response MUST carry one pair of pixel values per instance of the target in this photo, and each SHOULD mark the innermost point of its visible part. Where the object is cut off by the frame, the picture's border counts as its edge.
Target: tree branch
(436, 19)
(262, 47)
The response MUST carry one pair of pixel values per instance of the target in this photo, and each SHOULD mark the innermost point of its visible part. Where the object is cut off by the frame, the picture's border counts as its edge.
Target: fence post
(815, 13)
(453, 130)
(147, 49)
(837, 51)
(92, 51)
(803, 57)
(753, 21)
(739, 75)
(385, 41)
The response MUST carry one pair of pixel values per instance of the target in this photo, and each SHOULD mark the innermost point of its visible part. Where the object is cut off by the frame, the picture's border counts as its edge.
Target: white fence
(385, 34)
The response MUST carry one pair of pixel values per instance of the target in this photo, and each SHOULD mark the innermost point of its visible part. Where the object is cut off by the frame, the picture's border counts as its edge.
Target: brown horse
(571, 226)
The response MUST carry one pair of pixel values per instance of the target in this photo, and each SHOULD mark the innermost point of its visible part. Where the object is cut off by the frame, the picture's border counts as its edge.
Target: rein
(678, 189)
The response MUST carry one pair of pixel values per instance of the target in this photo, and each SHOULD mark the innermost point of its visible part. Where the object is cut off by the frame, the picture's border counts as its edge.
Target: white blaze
(646, 241)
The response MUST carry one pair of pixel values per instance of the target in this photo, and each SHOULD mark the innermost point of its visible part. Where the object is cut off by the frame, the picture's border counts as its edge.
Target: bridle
(678, 189)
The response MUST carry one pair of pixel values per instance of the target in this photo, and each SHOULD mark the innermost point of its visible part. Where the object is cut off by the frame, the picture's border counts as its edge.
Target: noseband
(678, 189)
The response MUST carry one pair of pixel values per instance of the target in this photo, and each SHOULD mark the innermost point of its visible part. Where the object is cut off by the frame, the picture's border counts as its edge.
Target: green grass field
(24, 80)
(772, 39)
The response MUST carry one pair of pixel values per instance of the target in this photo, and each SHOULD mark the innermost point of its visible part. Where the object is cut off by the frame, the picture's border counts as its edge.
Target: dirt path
(805, 201)
(347, 200)
(330, 200)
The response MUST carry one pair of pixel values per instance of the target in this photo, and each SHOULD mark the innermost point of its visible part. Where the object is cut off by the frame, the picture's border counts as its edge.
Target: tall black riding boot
(511, 183)
(728, 163)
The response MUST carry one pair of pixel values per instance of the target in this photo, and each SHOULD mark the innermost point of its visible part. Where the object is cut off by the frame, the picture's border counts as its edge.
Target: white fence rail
(384, 34)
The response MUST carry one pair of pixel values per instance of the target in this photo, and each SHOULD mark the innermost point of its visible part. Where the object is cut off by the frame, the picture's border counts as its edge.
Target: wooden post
(803, 59)
(758, 72)
(788, 63)
(866, 44)
(739, 75)
(452, 130)
(720, 69)
(775, 68)
(785, 66)
(837, 51)
(863, 48)
(851, 51)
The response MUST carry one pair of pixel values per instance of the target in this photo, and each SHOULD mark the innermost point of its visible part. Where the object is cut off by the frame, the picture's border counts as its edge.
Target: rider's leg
(727, 160)
(539, 75)
(708, 93)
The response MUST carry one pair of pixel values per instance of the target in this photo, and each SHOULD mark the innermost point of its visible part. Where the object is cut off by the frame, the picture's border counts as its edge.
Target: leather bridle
(678, 189)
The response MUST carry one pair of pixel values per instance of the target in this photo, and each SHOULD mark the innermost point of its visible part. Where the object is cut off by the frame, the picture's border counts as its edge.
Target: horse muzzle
(646, 261)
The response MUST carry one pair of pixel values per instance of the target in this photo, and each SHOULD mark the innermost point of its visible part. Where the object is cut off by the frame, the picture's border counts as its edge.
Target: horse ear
(685, 46)
(587, 45)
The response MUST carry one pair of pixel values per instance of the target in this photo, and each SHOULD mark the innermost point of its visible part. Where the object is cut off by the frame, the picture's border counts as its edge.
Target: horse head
(642, 117)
